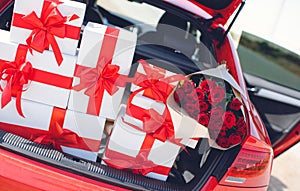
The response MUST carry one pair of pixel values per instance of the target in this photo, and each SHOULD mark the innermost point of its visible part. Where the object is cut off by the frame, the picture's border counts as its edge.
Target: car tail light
(252, 165)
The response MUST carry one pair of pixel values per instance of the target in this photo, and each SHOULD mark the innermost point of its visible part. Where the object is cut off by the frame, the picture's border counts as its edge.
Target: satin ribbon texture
(95, 81)
(16, 74)
(51, 24)
(157, 87)
(139, 164)
(154, 124)
(104, 77)
(56, 137)
(154, 84)
(56, 134)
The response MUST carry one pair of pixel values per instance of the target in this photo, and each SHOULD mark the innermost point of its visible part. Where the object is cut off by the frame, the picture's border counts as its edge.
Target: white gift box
(129, 141)
(144, 103)
(39, 120)
(67, 45)
(165, 73)
(111, 46)
(140, 102)
(50, 84)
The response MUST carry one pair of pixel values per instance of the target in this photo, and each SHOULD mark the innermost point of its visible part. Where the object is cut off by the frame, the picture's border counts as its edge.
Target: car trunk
(191, 172)
(192, 168)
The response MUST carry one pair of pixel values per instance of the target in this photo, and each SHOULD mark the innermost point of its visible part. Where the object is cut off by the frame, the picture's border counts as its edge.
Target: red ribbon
(154, 84)
(51, 24)
(139, 164)
(16, 74)
(19, 72)
(55, 136)
(154, 124)
(104, 77)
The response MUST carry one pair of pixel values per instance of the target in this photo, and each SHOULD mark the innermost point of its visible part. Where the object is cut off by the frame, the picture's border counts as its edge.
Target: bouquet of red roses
(213, 103)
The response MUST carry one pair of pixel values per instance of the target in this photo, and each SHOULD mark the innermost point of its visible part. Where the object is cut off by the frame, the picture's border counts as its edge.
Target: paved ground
(286, 171)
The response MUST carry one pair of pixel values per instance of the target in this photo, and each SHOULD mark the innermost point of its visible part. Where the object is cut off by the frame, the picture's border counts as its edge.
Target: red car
(25, 165)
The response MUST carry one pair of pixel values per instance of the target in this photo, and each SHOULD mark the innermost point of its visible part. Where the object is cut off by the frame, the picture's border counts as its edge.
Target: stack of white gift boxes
(40, 65)
(53, 93)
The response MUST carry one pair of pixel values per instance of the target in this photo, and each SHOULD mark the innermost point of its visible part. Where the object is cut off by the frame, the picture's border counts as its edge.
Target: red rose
(223, 142)
(235, 139)
(241, 126)
(188, 86)
(217, 94)
(203, 119)
(192, 110)
(235, 104)
(203, 106)
(223, 131)
(200, 94)
(216, 113)
(207, 85)
(229, 119)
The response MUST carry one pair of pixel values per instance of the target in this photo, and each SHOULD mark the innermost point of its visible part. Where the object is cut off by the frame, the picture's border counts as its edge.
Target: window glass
(269, 61)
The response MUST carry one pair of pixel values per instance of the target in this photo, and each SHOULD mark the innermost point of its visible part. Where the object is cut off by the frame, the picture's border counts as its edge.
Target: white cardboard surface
(88, 56)
(141, 70)
(68, 8)
(148, 103)
(43, 93)
(127, 140)
(38, 116)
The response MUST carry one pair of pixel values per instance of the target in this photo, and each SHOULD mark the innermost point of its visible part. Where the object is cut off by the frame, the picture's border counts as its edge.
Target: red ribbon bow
(16, 74)
(138, 165)
(51, 24)
(166, 130)
(95, 80)
(154, 84)
(154, 124)
(57, 137)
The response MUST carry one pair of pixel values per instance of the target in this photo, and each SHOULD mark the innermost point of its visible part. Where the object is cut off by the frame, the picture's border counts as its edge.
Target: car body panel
(192, 5)
(290, 140)
(18, 173)
(272, 76)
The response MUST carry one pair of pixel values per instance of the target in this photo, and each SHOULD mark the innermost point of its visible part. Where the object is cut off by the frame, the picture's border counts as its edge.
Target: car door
(272, 74)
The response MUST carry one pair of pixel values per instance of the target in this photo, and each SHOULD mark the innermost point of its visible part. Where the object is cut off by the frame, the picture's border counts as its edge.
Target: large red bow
(138, 165)
(95, 80)
(51, 24)
(16, 74)
(154, 124)
(57, 137)
(154, 84)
